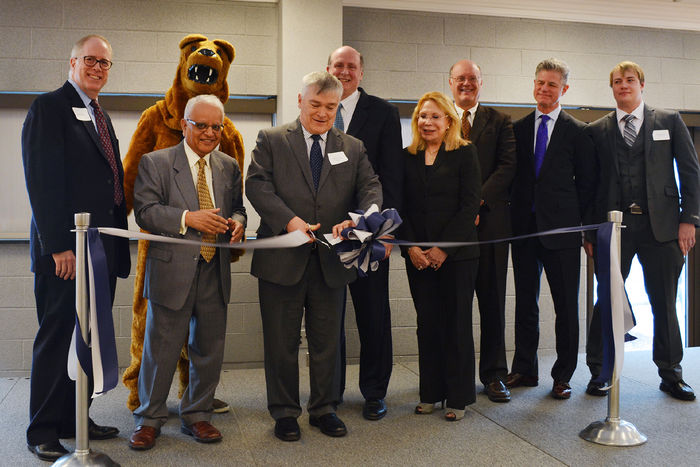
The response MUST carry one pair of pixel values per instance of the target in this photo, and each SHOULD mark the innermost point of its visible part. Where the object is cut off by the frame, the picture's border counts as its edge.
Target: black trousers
(563, 269)
(661, 266)
(52, 393)
(370, 298)
(491, 292)
(443, 302)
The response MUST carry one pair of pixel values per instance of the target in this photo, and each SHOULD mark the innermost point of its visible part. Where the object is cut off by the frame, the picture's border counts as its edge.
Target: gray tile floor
(532, 430)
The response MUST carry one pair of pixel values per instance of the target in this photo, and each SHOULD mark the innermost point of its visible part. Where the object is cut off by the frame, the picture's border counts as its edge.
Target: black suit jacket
(67, 172)
(563, 193)
(376, 123)
(666, 208)
(492, 133)
(442, 207)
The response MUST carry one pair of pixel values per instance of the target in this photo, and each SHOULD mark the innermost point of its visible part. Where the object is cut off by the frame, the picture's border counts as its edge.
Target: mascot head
(204, 66)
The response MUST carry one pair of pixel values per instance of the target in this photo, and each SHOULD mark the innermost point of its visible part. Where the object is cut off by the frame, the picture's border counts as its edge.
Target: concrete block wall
(39, 35)
(409, 53)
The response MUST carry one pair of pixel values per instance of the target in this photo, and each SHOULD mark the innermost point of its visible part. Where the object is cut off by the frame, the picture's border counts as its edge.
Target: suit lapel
(295, 139)
(529, 141)
(359, 116)
(219, 182)
(183, 178)
(558, 135)
(649, 119)
(334, 143)
(76, 101)
(481, 118)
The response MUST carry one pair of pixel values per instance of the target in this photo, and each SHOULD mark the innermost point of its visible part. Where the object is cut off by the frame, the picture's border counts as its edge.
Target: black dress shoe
(95, 432)
(329, 424)
(678, 389)
(374, 409)
(514, 380)
(48, 451)
(595, 388)
(287, 429)
(497, 391)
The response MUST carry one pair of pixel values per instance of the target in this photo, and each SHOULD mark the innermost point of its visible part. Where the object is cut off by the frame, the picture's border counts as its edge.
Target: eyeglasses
(91, 61)
(464, 79)
(216, 127)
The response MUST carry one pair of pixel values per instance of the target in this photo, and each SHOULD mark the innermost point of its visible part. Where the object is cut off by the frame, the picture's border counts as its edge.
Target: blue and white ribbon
(98, 356)
(362, 249)
(616, 316)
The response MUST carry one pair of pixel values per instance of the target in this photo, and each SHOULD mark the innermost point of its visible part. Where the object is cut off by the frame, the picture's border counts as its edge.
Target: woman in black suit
(441, 202)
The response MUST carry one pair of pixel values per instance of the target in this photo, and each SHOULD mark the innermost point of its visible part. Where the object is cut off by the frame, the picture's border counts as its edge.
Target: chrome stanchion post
(82, 455)
(613, 431)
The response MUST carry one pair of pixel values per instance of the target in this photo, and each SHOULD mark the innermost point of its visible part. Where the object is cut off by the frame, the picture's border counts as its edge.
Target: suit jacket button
(110, 212)
(109, 181)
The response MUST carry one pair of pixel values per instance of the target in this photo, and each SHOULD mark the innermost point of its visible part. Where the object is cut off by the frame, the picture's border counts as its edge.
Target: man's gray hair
(323, 82)
(554, 64)
(78, 46)
(204, 99)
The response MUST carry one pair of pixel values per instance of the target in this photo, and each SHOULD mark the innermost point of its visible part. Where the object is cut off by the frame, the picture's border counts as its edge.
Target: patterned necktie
(339, 124)
(316, 159)
(629, 134)
(205, 202)
(106, 141)
(541, 144)
(466, 126)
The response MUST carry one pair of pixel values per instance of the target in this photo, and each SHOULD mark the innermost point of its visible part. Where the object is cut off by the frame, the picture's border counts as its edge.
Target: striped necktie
(106, 142)
(629, 134)
(338, 123)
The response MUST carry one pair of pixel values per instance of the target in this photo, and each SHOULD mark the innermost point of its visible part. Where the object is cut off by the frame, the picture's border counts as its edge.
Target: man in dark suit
(306, 175)
(376, 123)
(553, 187)
(71, 164)
(188, 191)
(492, 133)
(637, 146)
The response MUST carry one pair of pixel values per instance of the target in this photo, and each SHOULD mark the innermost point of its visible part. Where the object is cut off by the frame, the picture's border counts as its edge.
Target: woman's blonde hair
(453, 136)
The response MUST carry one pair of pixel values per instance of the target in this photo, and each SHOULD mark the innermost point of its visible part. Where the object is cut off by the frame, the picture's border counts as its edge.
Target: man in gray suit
(637, 146)
(306, 175)
(188, 191)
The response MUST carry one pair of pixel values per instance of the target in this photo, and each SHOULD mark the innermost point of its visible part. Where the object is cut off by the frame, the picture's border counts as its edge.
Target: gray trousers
(282, 308)
(204, 316)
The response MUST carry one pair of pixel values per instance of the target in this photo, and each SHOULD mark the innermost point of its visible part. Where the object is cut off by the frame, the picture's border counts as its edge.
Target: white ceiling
(662, 14)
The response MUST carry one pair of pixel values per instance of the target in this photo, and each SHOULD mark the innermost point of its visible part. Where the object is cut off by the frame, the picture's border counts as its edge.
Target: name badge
(81, 113)
(660, 135)
(336, 158)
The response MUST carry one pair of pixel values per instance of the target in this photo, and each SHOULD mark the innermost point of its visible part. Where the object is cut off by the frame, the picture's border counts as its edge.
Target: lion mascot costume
(203, 68)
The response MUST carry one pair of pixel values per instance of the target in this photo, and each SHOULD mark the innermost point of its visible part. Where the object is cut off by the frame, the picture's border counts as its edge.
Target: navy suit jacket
(67, 172)
(376, 123)
(563, 193)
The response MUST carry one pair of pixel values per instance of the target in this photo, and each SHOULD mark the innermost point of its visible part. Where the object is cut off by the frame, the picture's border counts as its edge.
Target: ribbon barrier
(94, 352)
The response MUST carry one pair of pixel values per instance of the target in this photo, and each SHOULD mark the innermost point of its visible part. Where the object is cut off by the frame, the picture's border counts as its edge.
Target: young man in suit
(306, 175)
(637, 146)
(492, 133)
(189, 191)
(553, 187)
(376, 123)
(71, 164)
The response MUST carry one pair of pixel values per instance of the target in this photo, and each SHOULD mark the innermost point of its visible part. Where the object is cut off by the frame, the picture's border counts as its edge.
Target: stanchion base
(89, 458)
(613, 433)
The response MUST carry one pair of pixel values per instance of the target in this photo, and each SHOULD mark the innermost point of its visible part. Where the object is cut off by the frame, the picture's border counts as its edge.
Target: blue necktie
(541, 144)
(316, 159)
(339, 124)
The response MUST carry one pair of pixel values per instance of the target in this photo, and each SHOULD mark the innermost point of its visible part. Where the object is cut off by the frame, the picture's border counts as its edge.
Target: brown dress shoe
(203, 432)
(143, 437)
(497, 391)
(514, 380)
(561, 390)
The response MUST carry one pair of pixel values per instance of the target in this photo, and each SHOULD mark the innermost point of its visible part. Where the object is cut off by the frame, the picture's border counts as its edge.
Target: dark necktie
(316, 159)
(629, 134)
(106, 141)
(541, 144)
(339, 124)
(466, 126)
(205, 202)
